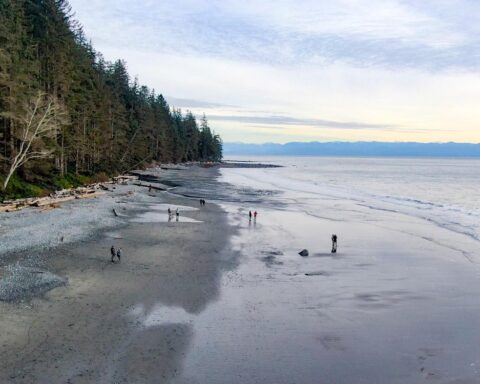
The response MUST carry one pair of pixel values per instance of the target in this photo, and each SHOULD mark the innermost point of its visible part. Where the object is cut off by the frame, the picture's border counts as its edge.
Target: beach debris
(319, 273)
(46, 201)
(10, 208)
(124, 179)
(150, 186)
(303, 252)
(53, 200)
(115, 212)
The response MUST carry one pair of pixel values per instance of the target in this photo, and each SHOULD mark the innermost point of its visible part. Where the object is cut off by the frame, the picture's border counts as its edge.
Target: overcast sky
(303, 70)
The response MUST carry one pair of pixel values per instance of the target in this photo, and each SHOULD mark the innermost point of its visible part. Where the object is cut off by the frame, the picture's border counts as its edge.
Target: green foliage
(100, 177)
(71, 180)
(114, 123)
(18, 188)
(62, 182)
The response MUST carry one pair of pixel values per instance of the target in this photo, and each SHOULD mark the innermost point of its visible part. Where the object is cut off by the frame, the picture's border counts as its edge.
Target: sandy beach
(216, 298)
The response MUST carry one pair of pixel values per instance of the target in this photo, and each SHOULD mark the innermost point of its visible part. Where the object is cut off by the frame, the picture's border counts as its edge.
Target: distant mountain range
(360, 148)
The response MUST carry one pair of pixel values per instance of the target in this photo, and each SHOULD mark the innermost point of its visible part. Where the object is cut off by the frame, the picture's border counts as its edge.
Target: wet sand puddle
(157, 217)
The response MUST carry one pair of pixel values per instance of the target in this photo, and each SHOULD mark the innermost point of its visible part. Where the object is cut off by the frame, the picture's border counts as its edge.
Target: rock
(303, 252)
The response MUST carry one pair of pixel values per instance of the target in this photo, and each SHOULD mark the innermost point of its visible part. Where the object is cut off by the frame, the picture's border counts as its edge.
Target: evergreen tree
(109, 123)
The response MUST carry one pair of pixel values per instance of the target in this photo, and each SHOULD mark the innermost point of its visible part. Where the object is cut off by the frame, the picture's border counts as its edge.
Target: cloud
(432, 34)
(265, 70)
(286, 120)
(192, 104)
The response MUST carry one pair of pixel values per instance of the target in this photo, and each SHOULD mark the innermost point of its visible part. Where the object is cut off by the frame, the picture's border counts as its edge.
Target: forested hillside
(67, 115)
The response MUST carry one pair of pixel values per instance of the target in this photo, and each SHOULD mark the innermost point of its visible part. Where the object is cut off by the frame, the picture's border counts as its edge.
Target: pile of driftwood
(124, 179)
(53, 199)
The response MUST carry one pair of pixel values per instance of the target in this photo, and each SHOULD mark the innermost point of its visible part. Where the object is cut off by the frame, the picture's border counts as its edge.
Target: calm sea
(444, 191)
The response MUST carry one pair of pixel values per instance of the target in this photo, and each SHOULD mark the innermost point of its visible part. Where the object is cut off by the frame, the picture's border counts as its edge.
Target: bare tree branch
(38, 120)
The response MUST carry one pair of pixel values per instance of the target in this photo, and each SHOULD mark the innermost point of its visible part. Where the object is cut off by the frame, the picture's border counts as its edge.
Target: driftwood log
(150, 186)
(53, 199)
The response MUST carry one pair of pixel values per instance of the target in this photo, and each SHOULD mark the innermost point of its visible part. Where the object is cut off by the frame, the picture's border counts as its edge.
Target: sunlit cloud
(401, 70)
(286, 120)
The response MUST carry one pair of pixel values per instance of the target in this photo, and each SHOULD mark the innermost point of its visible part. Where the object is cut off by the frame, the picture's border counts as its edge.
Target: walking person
(169, 212)
(119, 253)
(255, 216)
(249, 215)
(177, 214)
(334, 243)
(113, 253)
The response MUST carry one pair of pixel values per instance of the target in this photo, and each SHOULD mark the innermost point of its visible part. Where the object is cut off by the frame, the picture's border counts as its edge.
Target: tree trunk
(7, 179)
(62, 157)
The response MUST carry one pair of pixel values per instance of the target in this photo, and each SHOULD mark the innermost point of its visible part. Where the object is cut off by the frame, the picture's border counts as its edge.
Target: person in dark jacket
(334, 243)
(112, 253)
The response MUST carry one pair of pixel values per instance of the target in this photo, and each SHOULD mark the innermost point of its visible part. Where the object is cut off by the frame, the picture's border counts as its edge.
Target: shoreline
(223, 299)
(85, 331)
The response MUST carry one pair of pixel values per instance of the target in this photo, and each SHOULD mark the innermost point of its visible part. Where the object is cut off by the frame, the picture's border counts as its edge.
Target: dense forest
(68, 116)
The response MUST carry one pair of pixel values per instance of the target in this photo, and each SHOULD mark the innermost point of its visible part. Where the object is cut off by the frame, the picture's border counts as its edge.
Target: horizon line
(354, 142)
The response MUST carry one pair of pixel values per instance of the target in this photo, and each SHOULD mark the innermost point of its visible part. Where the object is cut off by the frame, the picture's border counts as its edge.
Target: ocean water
(398, 302)
(444, 191)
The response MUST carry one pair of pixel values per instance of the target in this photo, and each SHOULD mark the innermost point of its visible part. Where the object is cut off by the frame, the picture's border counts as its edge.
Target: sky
(304, 70)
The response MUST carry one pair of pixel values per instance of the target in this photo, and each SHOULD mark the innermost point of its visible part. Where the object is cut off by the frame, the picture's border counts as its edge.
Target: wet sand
(224, 300)
(89, 330)
(389, 307)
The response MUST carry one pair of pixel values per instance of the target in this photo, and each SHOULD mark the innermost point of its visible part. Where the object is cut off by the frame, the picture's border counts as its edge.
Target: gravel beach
(87, 329)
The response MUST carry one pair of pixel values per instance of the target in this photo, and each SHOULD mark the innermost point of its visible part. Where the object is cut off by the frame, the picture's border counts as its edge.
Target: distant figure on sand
(119, 253)
(255, 215)
(250, 215)
(169, 212)
(112, 253)
(334, 243)
(177, 213)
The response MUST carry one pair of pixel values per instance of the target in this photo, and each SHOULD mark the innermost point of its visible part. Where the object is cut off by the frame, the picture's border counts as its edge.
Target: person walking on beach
(112, 253)
(255, 216)
(119, 253)
(169, 212)
(177, 214)
(334, 243)
(249, 215)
